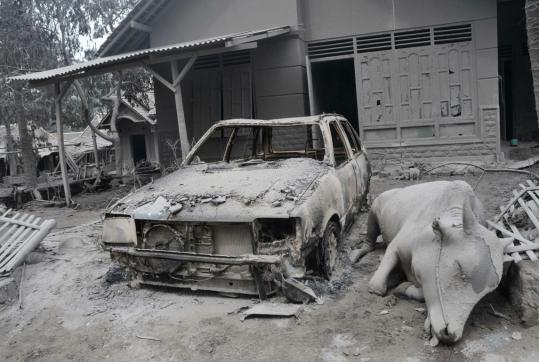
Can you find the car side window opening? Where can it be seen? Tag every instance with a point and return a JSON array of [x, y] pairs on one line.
[[352, 137], [339, 149]]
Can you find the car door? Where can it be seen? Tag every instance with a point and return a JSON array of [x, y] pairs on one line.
[[360, 159], [345, 169]]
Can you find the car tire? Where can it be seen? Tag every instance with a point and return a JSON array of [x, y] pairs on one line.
[[329, 248]]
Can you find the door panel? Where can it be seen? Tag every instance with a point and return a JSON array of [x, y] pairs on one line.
[[237, 102]]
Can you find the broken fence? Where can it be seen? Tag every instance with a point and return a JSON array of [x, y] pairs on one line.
[[20, 234], [518, 219]]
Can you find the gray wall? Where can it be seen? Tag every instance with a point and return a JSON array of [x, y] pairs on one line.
[[330, 19], [185, 20], [280, 78]]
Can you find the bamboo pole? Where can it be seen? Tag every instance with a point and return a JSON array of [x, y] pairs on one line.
[[61, 150], [180, 114]]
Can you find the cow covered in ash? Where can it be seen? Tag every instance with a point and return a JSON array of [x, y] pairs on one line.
[[435, 232]]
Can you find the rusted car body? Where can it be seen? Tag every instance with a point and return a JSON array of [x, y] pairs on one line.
[[255, 200]]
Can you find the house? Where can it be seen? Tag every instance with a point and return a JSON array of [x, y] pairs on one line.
[[424, 80], [136, 124], [79, 150]]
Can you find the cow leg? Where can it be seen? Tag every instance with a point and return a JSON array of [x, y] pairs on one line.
[[409, 290], [378, 282], [373, 230]]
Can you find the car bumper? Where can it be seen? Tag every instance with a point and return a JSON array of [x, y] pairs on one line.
[[156, 267]]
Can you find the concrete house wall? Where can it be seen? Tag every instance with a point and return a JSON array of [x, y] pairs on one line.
[[398, 132], [278, 70], [275, 71]]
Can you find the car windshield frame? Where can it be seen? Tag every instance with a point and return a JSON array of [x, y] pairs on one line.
[[232, 129]]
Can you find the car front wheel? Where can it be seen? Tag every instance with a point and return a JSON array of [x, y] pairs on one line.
[[328, 250]]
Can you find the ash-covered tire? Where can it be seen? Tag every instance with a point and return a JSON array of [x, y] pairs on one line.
[[329, 249]]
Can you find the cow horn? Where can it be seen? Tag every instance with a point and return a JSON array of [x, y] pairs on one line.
[[468, 218]]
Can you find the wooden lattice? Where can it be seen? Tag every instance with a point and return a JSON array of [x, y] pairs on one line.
[[519, 221]]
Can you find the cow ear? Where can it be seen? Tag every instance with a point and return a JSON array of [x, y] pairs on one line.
[[468, 218]]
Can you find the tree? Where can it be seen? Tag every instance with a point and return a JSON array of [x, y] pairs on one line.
[[23, 47], [45, 34], [532, 28]]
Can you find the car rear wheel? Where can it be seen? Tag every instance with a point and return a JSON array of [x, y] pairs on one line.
[[328, 251]]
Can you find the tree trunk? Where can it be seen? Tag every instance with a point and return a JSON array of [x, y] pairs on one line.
[[532, 27], [28, 159], [11, 156], [116, 99]]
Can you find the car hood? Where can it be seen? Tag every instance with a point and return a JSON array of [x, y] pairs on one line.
[[225, 192]]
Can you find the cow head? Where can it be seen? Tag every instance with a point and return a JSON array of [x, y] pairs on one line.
[[464, 264]]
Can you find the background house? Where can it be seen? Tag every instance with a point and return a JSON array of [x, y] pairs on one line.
[[136, 124], [418, 79]]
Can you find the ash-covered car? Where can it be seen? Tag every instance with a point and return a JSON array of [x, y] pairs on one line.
[[254, 201]]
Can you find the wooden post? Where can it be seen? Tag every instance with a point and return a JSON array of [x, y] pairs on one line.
[[61, 150], [312, 101], [180, 114]]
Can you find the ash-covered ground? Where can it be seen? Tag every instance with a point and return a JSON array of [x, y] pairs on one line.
[[70, 310]]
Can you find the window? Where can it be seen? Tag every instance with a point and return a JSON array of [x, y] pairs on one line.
[[352, 137], [339, 148], [255, 144]]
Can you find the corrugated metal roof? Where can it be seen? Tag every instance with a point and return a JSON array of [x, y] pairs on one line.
[[104, 62]]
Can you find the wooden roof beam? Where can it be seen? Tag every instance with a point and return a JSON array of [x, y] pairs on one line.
[[140, 26]]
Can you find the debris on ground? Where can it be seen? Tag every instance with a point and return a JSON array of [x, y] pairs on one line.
[[8, 290], [20, 234], [519, 220], [116, 273], [524, 163], [268, 309], [297, 292]]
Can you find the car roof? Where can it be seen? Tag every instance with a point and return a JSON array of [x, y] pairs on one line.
[[292, 121]]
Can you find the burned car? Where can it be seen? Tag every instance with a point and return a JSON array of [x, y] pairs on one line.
[[253, 202]]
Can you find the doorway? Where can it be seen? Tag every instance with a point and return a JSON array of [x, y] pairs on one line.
[[334, 88], [517, 102], [138, 148]]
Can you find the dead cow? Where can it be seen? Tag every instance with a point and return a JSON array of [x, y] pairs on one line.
[[436, 232]]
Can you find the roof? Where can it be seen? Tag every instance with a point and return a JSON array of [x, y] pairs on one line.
[[134, 110], [104, 64], [46, 143], [292, 121], [43, 141], [127, 37]]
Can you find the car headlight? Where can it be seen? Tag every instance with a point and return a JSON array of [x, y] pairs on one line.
[[119, 231], [271, 230]]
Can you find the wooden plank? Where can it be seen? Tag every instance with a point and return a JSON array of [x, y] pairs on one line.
[[515, 256], [180, 114], [184, 72], [9, 244], [511, 234], [6, 234], [534, 194], [513, 200], [159, 78], [18, 222], [530, 253], [61, 150], [530, 214], [521, 248]]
